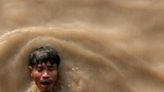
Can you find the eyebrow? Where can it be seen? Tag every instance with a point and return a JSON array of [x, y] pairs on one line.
[[49, 65]]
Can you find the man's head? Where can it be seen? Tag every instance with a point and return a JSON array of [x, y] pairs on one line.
[[43, 65]]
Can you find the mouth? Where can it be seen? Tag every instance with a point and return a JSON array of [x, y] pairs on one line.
[[45, 83]]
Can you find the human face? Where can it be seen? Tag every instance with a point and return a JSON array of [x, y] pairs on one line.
[[45, 76]]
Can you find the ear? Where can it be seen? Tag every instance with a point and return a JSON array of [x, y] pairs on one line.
[[30, 70]]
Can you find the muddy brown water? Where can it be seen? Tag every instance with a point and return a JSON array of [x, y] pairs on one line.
[[105, 45]]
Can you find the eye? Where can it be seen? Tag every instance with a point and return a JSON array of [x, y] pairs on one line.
[[52, 68], [39, 69]]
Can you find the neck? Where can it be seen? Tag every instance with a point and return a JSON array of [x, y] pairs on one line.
[[47, 91]]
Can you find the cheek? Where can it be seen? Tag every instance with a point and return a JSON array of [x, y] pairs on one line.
[[35, 75], [54, 75]]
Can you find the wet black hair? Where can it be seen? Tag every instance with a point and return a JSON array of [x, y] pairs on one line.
[[43, 54]]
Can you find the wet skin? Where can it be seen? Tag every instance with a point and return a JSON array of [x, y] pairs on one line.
[[45, 76]]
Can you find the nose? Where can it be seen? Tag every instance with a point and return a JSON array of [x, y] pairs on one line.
[[45, 75]]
